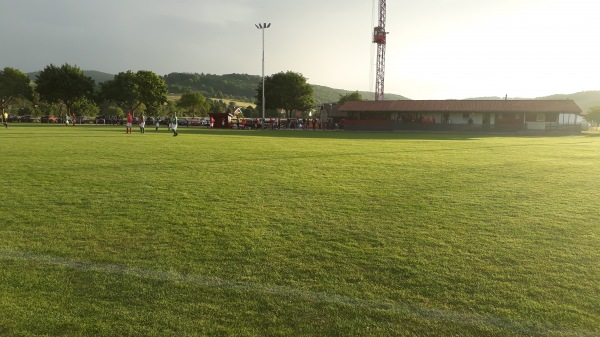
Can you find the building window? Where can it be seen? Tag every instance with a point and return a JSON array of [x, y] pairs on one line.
[[540, 118]]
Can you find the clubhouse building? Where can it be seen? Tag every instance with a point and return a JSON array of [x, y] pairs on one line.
[[551, 116]]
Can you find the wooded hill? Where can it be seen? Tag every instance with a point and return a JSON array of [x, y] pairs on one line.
[[236, 87], [584, 99], [97, 76], [242, 88]]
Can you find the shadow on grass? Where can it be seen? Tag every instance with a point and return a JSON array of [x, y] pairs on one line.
[[321, 134], [375, 135], [308, 134]]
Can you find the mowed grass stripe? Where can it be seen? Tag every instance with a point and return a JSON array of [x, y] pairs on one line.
[[494, 227], [293, 294]]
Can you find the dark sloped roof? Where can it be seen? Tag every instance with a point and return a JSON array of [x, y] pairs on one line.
[[540, 106]]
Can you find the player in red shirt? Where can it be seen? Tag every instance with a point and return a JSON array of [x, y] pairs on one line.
[[129, 122]]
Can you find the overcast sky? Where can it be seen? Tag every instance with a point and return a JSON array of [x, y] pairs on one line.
[[436, 49]]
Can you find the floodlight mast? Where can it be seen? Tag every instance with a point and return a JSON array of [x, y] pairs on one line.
[[379, 37], [263, 26]]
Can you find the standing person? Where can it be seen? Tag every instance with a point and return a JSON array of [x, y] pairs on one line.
[[212, 122], [5, 119], [142, 123], [174, 124], [129, 123], [156, 123]]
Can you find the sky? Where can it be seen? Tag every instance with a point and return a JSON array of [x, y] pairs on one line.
[[436, 49]]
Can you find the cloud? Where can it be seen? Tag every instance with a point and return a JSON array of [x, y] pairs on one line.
[[436, 49]]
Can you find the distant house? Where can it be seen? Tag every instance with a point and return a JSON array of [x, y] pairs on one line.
[[237, 111], [462, 115]]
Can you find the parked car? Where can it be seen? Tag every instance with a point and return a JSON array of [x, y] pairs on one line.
[[195, 121], [182, 121], [28, 119], [13, 118], [114, 120], [48, 119], [585, 126], [100, 120], [81, 120]]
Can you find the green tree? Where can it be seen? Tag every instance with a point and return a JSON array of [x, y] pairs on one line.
[[349, 97], [123, 90], [167, 108], [288, 91], [13, 85], [85, 107], [108, 108], [231, 106], [193, 102], [153, 90], [23, 107], [593, 115], [65, 84], [52, 109], [217, 106], [131, 91], [250, 112]]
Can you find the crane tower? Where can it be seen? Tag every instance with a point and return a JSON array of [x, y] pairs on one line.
[[379, 35]]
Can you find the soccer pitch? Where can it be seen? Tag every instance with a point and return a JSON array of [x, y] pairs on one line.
[[296, 233]]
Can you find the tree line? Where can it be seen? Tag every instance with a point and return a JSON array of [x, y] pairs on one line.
[[593, 116], [66, 90]]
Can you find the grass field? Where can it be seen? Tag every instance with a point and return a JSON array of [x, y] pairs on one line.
[[259, 233]]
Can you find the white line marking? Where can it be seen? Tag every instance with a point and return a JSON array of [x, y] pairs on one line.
[[517, 327]]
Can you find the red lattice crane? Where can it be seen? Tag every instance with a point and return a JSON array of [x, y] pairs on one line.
[[379, 37]]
